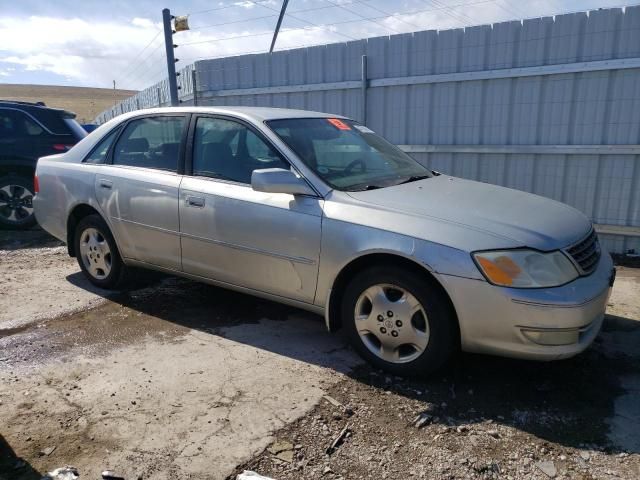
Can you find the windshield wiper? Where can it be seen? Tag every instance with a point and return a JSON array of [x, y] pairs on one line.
[[414, 178], [362, 188]]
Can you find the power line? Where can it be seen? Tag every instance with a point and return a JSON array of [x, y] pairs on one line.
[[394, 15], [370, 20], [303, 10], [301, 19], [450, 12], [141, 63], [141, 52], [244, 20], [141, 76], [224, 7]]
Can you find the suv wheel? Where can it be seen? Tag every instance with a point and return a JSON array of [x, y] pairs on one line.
[[398, 321], [16, 203], [97, 253]]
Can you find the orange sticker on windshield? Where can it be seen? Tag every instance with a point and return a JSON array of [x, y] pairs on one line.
[[339, 124]]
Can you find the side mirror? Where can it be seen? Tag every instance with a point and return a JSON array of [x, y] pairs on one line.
[[279, 180]]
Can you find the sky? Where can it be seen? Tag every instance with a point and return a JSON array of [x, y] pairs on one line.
[[94, 42]]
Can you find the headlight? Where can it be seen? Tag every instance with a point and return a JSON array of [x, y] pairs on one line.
[[525, 268]]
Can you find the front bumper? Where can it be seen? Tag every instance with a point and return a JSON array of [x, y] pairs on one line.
[[536, 324]]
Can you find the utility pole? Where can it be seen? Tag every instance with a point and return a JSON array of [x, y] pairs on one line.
[[275, 33], [171, 60]]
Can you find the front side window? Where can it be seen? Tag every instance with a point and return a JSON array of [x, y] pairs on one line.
[[150, 142], [229, 150], [346, 155], [99, 153]]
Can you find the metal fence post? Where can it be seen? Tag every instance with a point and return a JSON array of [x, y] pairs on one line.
[[194, 87], [159, 101], [363, 113], [171, 61], [137, 103]]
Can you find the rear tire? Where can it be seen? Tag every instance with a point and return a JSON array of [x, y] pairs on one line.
[[97, 253], [16, 203], [399, 321]]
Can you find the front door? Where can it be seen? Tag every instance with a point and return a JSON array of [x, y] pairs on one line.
[[231, 233], [139, 189]]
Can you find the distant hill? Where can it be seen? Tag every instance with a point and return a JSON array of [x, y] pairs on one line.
[[85, 102]]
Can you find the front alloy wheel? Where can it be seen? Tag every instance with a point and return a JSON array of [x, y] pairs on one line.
[[399, 319], [392, 323]]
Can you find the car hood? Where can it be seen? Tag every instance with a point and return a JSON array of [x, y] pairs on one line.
[[520, 219]]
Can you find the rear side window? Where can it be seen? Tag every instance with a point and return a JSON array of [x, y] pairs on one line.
[[99, 153], [17, 124], [151, 142]]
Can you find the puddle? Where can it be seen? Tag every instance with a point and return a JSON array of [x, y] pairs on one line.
[[625, 424]]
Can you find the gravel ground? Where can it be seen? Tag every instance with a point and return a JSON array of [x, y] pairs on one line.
[[182, 380], [484, 417]]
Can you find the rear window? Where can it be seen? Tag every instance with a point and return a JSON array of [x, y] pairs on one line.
[[75, 128]]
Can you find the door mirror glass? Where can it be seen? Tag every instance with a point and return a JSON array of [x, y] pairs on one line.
[[279, 180]]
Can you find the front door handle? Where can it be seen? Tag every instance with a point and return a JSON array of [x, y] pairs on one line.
[[106, 183], [195, 201]]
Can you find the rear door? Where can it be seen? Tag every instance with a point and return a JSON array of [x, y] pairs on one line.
[[263, 241], [138, 189], [19, 136]]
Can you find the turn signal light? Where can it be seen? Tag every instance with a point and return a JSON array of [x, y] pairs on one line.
[[501, 270]]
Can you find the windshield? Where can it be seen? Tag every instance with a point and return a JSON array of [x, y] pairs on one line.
[[346, 155]]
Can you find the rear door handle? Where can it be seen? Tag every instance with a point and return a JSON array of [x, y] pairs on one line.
[[106, 183], [195, 201]]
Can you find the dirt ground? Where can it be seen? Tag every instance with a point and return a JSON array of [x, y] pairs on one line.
[[182, 380]]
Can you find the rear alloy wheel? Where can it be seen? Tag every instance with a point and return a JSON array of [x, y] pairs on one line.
[[97, 253], [16, 203], [399, 321]]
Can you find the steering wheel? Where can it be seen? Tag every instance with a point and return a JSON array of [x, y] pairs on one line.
[[357, 162]]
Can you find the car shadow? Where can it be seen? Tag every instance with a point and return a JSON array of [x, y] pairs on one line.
[[21, 239], [13, 467], [570, 402]]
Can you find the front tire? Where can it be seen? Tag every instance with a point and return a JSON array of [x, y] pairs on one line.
[[16, 203], [97, 253], [399, 321]]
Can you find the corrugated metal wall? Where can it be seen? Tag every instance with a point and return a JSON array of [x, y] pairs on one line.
[[548, 105]]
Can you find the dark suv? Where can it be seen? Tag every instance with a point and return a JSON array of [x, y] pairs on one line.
[[29, 131]]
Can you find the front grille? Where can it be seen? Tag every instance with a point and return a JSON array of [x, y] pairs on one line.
[[586, 253]]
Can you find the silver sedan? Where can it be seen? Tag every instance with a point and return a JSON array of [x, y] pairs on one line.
[[319, 212]]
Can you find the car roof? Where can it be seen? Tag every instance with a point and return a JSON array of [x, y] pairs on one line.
[[255, 113], [33, 107]]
